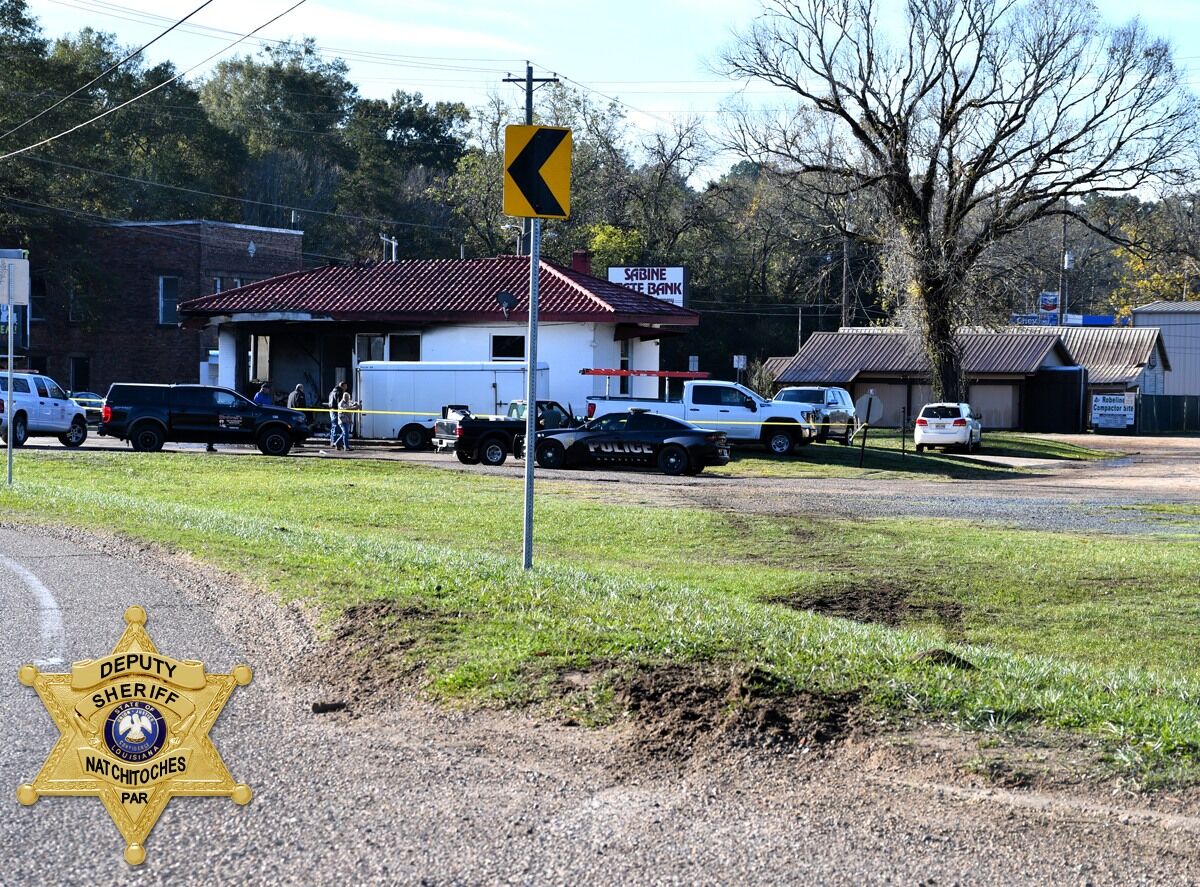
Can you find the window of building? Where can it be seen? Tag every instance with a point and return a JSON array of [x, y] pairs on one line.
[[81, 374], [369, 346], [508, 347], [168, 300], [37, 299], [75, 312], [216, 285], [404, 346], [626, 364]]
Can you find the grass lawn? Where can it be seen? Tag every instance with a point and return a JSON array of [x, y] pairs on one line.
[[1089, 634], [885, 455]]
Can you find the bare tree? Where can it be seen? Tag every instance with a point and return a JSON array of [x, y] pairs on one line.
[[984, 116]]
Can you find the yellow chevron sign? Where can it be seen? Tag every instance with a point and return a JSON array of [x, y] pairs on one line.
[[537, 172]]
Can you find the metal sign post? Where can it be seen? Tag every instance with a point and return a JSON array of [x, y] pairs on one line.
[[14, 264], [537, 185], [535, 250], [9, 319]]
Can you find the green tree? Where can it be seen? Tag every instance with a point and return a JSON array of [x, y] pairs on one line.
[[399, 150]]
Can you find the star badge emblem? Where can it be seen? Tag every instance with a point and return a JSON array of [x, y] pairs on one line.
[[134, 731]]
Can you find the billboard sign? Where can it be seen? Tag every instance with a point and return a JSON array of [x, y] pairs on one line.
[[1113, 410], [1048, 309], [668, 284]]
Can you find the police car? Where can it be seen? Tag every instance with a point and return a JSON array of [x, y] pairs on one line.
[[634, 438]]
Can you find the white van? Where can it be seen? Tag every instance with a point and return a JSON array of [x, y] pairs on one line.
[[410, 394], [40, 409]]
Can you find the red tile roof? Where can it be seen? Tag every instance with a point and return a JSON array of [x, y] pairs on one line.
[[441, 290]]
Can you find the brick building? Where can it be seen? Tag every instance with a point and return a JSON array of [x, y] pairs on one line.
[[128, 329]]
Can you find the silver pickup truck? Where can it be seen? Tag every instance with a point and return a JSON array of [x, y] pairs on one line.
[[744, 416]]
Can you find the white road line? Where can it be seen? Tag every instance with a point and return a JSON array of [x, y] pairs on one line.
[[50, 620]]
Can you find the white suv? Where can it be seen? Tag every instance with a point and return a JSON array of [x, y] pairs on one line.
[[948, 425], [40, 409]]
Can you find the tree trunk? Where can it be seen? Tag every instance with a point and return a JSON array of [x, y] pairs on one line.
[[940, 340]]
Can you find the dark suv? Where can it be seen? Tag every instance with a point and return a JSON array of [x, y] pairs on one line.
[[149, 415]]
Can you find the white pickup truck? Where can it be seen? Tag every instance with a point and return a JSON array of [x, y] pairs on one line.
[[744, 416]]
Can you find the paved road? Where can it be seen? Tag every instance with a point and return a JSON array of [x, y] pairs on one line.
[[417, 795]]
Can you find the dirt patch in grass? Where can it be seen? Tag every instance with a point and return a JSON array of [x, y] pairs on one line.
[[369, 659], [879, 602], [679, 712]]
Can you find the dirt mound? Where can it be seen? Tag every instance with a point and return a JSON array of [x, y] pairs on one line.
[[681, 711], [369, 657], [879, 602]]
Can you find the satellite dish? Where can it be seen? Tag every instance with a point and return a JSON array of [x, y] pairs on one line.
[[507, 302]]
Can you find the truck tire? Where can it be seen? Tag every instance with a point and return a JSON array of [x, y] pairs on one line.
[[847, 434], [493, 450], [779, 441], [551, 455], [147, 437], [466, 458], [413, 437], [274, 440], [673, 460], [19, 430], [76, 435]]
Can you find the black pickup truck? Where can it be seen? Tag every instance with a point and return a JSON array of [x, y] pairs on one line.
[[149, 415], [479, 439]]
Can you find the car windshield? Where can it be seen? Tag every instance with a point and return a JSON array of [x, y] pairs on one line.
[[802, 395], [943, 411]]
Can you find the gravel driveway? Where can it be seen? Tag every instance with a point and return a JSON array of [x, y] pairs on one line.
[[1086, 497]]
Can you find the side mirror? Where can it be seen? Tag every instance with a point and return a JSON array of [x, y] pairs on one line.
[[752, 405]]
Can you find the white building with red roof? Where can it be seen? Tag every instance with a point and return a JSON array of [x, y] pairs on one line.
[[314, 327]]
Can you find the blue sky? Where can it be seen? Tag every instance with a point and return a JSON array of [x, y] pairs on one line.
[[654, 55]]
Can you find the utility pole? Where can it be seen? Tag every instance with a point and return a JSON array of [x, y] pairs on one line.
[[1062, 271], [527, 82], [392, 242], [846, 320]]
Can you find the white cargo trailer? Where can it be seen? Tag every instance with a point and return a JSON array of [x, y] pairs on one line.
[[412, 394]]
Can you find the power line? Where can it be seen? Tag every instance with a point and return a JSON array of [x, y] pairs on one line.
[[246, 200], [151, 229], [106, 71], [387, 59], [142, 95]]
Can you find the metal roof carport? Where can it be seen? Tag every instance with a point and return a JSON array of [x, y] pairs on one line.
[[999, 367]]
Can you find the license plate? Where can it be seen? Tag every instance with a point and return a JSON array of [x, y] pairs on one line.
[[723, 452], [939, 425]]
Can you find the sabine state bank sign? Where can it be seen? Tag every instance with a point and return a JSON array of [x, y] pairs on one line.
[[668, 284]]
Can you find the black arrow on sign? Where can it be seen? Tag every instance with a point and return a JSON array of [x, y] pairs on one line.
[[526, 171]]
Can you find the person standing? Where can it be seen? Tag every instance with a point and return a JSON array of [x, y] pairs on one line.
[[346, 408], [332, 402], [297, 399], [263, 398]]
